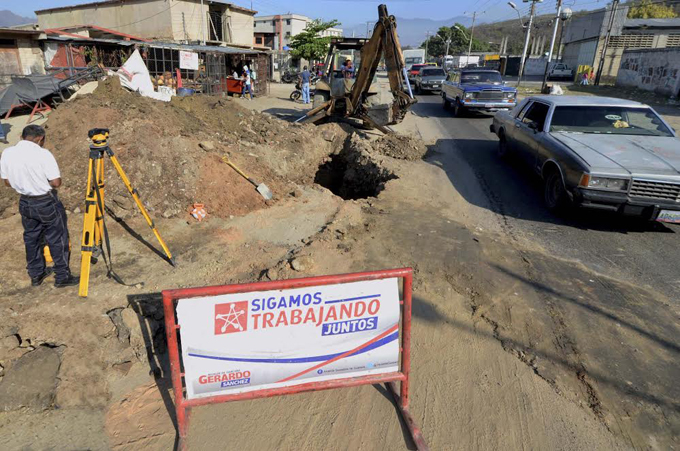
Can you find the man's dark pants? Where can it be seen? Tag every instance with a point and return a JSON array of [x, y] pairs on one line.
[[44, 221]]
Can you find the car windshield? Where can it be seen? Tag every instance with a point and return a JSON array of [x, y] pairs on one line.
[[432, 72], [614, 120], [481, 77]]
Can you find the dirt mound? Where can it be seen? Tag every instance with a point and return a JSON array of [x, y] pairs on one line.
[[157, 145], [401, 147]]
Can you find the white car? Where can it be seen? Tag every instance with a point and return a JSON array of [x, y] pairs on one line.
[[560, 70]]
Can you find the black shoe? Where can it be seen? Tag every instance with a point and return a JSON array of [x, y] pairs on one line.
[[37, 281], [68, 282]]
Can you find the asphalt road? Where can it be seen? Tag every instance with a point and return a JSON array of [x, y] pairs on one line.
[[635, 251]]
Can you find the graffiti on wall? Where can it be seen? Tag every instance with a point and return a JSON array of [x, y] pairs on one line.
[[653, 72]]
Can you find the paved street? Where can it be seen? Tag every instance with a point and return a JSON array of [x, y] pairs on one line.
[[639, 252]]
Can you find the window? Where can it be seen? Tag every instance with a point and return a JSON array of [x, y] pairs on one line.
[[274, 22], [536, 115], [287, 21], [11, 43], [673, 40], [287, 34], [613, 120]]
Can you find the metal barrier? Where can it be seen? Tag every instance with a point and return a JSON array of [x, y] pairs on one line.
[[183, 405]]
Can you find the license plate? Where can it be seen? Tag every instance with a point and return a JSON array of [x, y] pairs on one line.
[[435, 86], [669, 216], [488, 105]]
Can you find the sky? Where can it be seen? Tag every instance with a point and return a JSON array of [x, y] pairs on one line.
[[353, 12]]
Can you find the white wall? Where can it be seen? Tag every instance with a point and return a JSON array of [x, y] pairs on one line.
[[655, 70]]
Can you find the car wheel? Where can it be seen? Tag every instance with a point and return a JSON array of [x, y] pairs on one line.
[[555, 194], [445, 102], [458, 109], [503, 147]]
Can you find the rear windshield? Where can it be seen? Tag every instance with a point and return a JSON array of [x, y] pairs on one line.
[[433, 72], [413, 60], [612, 120], [481, 77]]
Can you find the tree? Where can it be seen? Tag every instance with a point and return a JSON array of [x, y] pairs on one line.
[[436, 46], [646, 9], [309, 44]]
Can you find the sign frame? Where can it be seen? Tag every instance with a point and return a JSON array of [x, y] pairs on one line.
[[173, 334]]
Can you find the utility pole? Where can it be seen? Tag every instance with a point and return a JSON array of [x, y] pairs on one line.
[[202, 22], [448, 43], [427, 41], [600, 66], [552, 44], [526, 42], [472, 30]]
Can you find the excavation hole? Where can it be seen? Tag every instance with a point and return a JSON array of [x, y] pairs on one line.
[[348, 176]]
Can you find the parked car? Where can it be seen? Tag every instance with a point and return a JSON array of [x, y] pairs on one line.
[[430, 79], [415, 69], [597, 152], [477, 90], [560, 70]]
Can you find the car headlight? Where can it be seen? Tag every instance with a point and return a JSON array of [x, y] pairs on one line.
[[509, 95], [470, 95], [606, 183]]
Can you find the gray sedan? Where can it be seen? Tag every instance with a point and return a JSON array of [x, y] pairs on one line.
[[597, 152], [430, 79]]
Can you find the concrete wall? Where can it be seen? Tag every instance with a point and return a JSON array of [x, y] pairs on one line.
[[241, 28], [31, 56], [655, 70], [186, 15], [123, 17], [580, 53]]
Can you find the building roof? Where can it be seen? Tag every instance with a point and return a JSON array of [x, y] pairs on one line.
[[113, 2], [5, 30], [284, 16], [93, 31], [652, 23], [203, 48]]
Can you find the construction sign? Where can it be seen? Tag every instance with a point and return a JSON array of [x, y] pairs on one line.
[[235, 343]]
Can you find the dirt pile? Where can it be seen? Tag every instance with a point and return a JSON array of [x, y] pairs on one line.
[[157, 145], [401, 147]]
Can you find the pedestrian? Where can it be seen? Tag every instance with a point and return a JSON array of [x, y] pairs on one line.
[[304, 78], [32, 171], [246, 83], [348, 69], [584, 79]]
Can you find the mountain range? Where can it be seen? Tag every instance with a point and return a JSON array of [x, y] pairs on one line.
[[9, 19], [412, 32]]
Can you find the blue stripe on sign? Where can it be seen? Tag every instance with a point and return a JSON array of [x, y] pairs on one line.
[[319, 358], [353, 299]]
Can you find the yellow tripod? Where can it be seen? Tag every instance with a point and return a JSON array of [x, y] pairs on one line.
[[94, 228]]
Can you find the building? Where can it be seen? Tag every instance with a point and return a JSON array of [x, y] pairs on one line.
[[275, 32], [20, 54], [215, 22], [584, 38], [655, 70]]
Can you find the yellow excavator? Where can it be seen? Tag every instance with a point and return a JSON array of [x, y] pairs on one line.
[[339, 96]]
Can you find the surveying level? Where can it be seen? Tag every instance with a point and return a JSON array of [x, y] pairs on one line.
[[94, 227]]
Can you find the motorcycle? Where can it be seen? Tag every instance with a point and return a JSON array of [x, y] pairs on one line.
[[297, 93], [289, 77]]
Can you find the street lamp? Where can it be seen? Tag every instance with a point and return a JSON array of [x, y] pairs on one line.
[[526, 39], [564, 16], [519, 16]]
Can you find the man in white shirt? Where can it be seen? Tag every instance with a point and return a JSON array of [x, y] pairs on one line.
[[33, 173]]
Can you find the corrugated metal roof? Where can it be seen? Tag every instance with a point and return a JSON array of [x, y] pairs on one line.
[[86, 40], [652, 23], [203, 48]]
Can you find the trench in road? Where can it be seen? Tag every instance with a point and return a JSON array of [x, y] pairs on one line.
[[640, 252]]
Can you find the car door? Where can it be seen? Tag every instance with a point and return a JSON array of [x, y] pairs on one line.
[[529, 126]]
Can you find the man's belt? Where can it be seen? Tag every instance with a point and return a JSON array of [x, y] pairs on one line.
[[49, 195]]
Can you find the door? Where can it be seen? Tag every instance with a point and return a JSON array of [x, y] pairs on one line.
[[528, 128]]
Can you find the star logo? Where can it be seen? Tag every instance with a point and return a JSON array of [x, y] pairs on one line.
[[231, 317]]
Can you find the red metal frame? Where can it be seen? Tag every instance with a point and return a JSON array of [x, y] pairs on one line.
[[183, 406]]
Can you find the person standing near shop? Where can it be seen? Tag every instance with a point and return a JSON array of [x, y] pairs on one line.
[[32, 171], [304, 77], [247, 83]]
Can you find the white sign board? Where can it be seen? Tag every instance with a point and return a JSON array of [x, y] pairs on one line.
[[188, 60], [236, 343]]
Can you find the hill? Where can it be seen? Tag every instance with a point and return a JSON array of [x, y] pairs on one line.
[[412, 31], [9, 19]]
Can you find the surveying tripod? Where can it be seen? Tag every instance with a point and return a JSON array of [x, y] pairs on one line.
[[94, 227]]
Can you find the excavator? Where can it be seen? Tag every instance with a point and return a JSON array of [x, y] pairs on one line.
[[338, 97]]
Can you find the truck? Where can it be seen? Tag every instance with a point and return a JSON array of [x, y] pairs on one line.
[[462, 61], [560, 70], [478, 90], [413, 56]]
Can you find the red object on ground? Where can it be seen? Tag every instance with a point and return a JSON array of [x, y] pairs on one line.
[[183, 405], [234, 85]]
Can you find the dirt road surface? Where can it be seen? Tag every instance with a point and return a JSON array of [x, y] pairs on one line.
[[529, 332]]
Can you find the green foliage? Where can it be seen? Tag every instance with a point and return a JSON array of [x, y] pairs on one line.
[[645, 9], [309, 44], [436, 46]]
